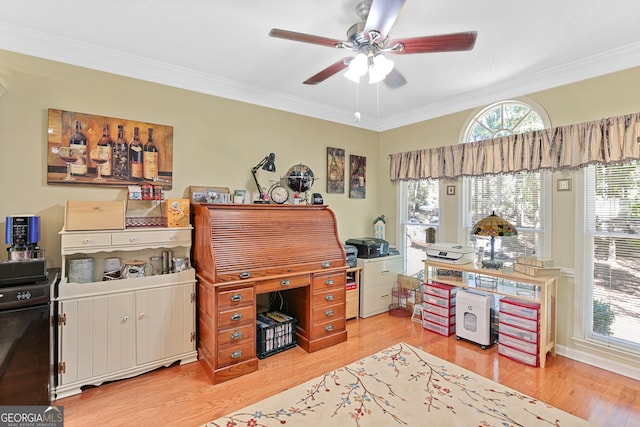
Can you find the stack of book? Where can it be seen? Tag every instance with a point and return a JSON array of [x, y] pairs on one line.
[[276, 332], [536, 267]]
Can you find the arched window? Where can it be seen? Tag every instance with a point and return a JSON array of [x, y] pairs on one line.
[[518, 197]]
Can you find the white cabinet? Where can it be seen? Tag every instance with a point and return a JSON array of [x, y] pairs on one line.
[[109, 330], [378, 277]]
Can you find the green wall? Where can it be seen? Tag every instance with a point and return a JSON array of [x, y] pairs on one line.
[[612, 95], [216, 142]]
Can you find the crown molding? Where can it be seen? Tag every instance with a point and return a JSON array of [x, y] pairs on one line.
[[585, 68], [42, 45]]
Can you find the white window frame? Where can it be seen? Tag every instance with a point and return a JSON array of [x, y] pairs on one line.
[[464, 228], [583, 293], [464, 225]]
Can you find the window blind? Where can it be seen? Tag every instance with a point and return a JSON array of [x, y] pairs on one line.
[[612, 213], [515, 197]]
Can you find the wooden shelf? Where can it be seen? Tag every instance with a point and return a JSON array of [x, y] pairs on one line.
[[527, 288]]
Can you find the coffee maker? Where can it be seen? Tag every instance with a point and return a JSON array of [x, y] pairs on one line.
[[26, 262], [22, 236]]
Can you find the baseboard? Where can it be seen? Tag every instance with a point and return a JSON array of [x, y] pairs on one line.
[[599, 362]]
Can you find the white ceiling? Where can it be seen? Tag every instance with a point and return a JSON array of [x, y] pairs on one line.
[[222, 48]]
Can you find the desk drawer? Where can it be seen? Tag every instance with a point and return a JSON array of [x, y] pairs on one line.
[[236, 336], [329, 281], [283, 283], [234, 354], [235, 298], [236, 316], [321, 329], [323, 314], [322, 299]]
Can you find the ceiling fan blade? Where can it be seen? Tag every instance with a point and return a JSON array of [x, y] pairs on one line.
[[382, 16], [329, 71], [395, 79], [305, 38], [441, 43]]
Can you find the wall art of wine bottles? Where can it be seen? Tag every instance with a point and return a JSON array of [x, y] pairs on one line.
[[86, 149]]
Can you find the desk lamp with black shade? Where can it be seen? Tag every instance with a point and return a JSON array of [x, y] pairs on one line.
[[268, 164], [493, 226]]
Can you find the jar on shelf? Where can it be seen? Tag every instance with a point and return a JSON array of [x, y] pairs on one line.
[[147, 192]]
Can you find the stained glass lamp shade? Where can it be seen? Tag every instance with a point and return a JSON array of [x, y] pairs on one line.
[[493, 226]]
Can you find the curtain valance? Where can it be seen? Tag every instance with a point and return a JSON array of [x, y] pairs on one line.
[[608, 141]]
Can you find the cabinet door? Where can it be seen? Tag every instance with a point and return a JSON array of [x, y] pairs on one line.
[[97, 336], [165, 322]]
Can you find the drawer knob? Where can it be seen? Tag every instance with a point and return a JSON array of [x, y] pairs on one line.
[[328, 313], [329, 297], [236, 316], [285, 282], [142, 315], [236, 297], [328, 328], [329, 282], [172, 237], [125, 319], [86, 241], [326, 264], [236, 354], [236, 335], [245, 275], [132, 239]]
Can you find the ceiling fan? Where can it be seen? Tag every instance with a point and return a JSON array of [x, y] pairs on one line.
[[369, 40]]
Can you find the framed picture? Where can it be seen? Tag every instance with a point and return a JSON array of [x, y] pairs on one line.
[[200, 194], [85, 149], [335, 170], [239, 196], [357, 177], [564, 185], [451, 190]]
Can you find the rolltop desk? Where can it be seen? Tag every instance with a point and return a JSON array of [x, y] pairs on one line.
[[241, 251]]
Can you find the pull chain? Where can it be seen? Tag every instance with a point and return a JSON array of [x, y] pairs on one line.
[[378, 106], [357, 113]]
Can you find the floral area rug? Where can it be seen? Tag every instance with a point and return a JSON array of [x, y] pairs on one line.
[[400, 386]]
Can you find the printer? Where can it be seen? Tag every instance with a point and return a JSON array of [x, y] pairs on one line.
[[351, 253], [370, 247], [452, 253]]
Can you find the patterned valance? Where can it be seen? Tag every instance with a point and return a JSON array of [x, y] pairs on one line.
[[607, 141]]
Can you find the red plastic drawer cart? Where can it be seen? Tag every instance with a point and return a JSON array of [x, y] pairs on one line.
[[439, 308]]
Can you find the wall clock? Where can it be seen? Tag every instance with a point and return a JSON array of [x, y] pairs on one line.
[[278, 194]]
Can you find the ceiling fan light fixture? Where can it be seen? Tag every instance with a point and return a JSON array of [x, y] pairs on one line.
[[359, 64], [380, 68], [357, 68], [351, 75]]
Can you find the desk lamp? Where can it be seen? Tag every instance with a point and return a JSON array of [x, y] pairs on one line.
[[493, 226], [268, 164]]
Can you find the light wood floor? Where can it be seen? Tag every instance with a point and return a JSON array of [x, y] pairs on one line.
[[183, 395]]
